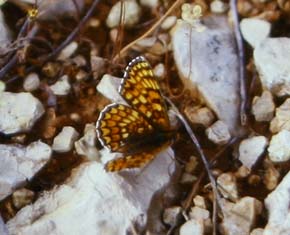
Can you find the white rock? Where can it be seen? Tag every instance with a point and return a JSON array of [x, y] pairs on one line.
[[272, 60], [106, 203], [257, 231], [132, 14], [98, 66], [108, 87], [3, 228], [168, 23], [202, 116], [277, 204], [150, 3], [199, 201], [192, 227], [279, 148], [172, 215], [79, 60], [241, 217], [263, 107], [19, 164], [271, 175], [68, 51], [255, 30], [86, 145], [31, 82], [61, 87], [251, 149], [218, 6], [198, 213], [18, 112], [187, 178], [64, 141], [204, 61], [159, 70], [218, 133], [22, 197], [281, 121], [227, 185]]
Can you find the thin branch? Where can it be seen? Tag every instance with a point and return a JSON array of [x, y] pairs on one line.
[[170, 10], [74, 33], [242, 78]]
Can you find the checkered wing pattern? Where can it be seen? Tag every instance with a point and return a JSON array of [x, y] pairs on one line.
[[141, 90]]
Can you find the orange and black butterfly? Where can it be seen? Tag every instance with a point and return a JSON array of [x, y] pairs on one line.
[[140, 129]]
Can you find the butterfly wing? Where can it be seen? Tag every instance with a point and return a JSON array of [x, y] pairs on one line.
[[130, 161], [121, 128], [141, 90]]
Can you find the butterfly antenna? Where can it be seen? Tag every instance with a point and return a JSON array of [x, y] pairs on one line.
[[200, 152]]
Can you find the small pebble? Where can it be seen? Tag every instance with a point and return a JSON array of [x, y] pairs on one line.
[[75, 117], [132, 14], [51, 69], [168, 23], [271, 176], [200, 116], [81, 75], [64, 141], [279, 147], [68, 51], [150, 3], [31, 82], [263, 107], [218, 7], [80, 61], [61, 87], [172, 215], [2, 86], [227, 185], [94, 22], [242, 172], [22, 197], [159, 70], [218, 133], [191, 164], [192, 227], [199, 201], [254, 180], [187, 178]]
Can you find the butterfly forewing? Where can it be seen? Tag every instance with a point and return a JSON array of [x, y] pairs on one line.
[[141, 90], [119, 126]]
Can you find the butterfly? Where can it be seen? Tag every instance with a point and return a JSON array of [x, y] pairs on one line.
[[140, 129]]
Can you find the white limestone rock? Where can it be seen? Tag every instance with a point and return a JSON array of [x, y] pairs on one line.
[[263, 107], [86, 145], [198, 213], [218, 133], [68, 51], [255, 30], [150, 3], [272, 60], [277, 204], [64, 141], [192, 226], [108, 87], [227, 185], [61, 87], [18, 112], [279, 148], [281, 121], [19, 164], [204, 61], [105, 203], [201, 116], [171, 215], [97, 65], [31, 82], [251, 149], [199, 201], [132, 14], [240, 217]]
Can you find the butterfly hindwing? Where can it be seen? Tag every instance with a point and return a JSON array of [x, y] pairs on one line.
[[141, 90], [119, 126], [130, 161]]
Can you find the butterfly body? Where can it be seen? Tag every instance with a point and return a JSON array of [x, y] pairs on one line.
[[140, 129]]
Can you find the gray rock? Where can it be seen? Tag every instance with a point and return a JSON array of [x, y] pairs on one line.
[[19, 164], [272, 59], [204, 61], [108, 202], [18, 112], [277, 204]]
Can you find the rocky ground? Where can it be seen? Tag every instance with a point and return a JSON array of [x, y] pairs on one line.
[[224, 65]]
